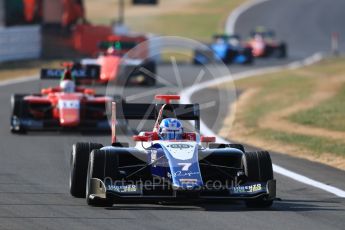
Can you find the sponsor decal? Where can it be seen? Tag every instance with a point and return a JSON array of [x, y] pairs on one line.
[[247, 188], [124, 188], [180, 151], [58, 73], [32, 123], [69, 104], [179, 146], [54, 73], [188, 181], [79, 73], [182, 174], [131, 188]]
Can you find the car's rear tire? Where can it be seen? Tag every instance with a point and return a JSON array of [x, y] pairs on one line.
[[230, 56], [237, 146], [222, 146], [282, 50], [97, 168], [150, 79], [79, 163], [248, 52], [258, 168]]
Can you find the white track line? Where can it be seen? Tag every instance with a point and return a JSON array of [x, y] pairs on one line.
[[306, 180], [232, 19], [188, 92]]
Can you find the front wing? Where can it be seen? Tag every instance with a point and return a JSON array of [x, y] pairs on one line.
[[253, 190], [29, 124]]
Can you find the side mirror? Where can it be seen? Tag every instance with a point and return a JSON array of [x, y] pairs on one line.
[[141, 138], [208, 139]]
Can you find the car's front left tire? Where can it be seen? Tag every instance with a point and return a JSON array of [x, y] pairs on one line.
[[79, 163], [258, 167], [96, 169]]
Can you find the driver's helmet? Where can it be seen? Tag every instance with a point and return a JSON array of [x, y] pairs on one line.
[[234, 42], [67, 86], [111, 51], [258, 37], [171, 129]]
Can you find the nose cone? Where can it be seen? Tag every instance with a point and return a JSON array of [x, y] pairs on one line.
[[69, 112], [110, 67], [258, 48], [184, 167]]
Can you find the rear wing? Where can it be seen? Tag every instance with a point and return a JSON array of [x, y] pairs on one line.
[[136, 111], [91, 72], [226, 36]]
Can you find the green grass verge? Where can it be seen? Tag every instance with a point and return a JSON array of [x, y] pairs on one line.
[[328, 115], [197, 20], [281, 90], [278, 91], [316, 145]]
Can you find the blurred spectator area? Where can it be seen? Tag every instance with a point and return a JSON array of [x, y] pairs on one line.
[[23, 12], [49, 29], [42, 27]]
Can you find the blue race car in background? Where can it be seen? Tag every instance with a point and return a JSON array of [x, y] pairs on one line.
[[192, 167], [226, 48]]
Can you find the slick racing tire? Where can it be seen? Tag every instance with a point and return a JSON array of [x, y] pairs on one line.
[[279, 51], [222, 146], [97, 168], [150, 79], [282, 50], [237, 146], [258, 167], [79, 163], [248, 52], [19, 110], [230, 56]]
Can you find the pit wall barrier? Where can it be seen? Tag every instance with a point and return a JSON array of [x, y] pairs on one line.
[[20, 42]]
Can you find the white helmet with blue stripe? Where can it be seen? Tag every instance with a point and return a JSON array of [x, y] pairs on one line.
[[67, 86], [171, 129]]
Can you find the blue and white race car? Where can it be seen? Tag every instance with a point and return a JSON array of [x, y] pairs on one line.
[[226, 48], [169, 163]]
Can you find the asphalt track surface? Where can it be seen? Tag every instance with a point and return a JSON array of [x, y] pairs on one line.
[[34, 168]]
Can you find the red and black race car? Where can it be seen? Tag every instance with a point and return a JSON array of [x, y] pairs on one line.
[[121, 60], [64, 107], [264, 44]]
